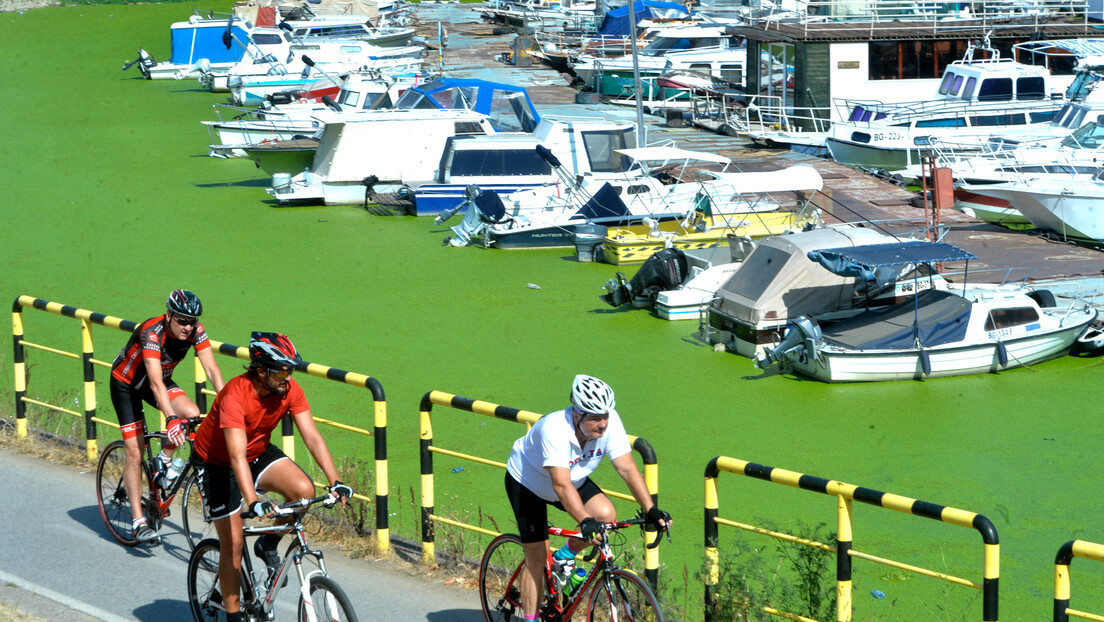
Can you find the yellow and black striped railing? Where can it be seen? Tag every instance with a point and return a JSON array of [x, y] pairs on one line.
[[505, 413], [846, 494], [1069, 550], [89, 362]]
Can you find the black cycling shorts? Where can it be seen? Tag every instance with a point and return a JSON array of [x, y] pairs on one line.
[[128, 401], [220, 487], [531, 511]]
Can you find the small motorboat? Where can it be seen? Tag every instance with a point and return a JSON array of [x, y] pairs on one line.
[[937, 332]]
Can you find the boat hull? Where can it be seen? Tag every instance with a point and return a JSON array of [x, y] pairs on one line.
[[879, 365], [432, 199], [1072, 216], [635, 244], [989, 209]]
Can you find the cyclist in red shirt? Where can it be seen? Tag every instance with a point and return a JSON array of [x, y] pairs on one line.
[[142, 372], [236, 456]]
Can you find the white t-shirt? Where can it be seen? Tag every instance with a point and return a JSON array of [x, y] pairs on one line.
[[551, 442]]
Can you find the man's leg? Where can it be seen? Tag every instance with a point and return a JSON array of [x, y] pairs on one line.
[[230, 537], [532, 580], [132, 469]]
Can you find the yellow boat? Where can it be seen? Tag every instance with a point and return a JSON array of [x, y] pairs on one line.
[[634, 243]]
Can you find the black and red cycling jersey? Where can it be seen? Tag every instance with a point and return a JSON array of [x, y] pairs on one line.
[[150, 341]]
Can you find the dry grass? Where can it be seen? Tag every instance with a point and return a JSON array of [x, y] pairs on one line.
[[61, 451], [11, 613]]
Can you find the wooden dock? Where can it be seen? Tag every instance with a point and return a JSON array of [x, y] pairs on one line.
[[851, 195]]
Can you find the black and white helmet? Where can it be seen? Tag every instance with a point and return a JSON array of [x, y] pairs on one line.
[[184, 302], [591, 396]]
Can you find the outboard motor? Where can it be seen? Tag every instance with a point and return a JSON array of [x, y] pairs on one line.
[[144, 61], [665, 270], [799, 341]]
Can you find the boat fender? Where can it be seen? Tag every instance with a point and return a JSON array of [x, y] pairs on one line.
[[1044, 297], [925, 362], [1002, 353]]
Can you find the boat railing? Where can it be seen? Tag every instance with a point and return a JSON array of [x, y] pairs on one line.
[[871, 112], [1002, 277], [768, 113], [1014, 161], [724, 109], [652, 97], [938, 16], [230, 112]]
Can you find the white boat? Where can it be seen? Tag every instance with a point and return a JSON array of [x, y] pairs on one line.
[[202, 36], [650, 188], [705, 49], [543, 15], [349, 161], [508, 162], [937, 333], [977, 97], [777, 283], [1071, 208], [239, 129], [679, 284], [282, 65]]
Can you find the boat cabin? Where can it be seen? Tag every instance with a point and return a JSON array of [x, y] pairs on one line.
[[201, 37], [994, 79], [510, 162], [892, 60]]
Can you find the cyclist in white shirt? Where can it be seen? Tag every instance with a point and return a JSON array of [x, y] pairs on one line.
[[551, 465]]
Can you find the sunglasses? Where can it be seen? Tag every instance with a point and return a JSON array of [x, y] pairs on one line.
[[184, 321], [282, 374]]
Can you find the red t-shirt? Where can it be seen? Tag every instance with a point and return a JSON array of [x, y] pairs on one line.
[[238, 406]]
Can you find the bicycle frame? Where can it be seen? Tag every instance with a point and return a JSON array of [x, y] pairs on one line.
[[553, 609], [273, 583], [161, 502]]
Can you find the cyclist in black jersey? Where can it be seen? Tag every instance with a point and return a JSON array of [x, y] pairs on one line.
[[142, 373]]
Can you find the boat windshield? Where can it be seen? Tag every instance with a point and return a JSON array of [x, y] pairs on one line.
[[601, 149], [662, 45], [510, 112], [1088, 136]]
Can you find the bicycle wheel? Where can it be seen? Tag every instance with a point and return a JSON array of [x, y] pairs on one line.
[[197, 523], [626, 598], [111, 494], [203, 581], [499, 579], [327, 602]]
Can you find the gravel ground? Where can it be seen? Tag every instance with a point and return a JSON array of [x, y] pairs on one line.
[[8, 6]]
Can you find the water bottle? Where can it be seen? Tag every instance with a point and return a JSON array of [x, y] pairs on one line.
[[576, 580], [176, 467]]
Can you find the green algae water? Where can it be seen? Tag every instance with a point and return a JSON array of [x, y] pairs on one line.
[[110, 202]]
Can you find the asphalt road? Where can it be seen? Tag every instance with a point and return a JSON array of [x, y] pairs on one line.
[[58, 562]]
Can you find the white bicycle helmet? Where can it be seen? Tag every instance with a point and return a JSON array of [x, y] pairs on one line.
[[591, 396]]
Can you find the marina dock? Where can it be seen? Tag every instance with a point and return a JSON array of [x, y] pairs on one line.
[[477, 49]]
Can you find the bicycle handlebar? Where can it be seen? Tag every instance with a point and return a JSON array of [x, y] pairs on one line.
[[613, 526], [327, 500]]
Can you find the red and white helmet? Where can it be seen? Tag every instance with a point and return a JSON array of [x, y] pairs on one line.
[[272, 350]]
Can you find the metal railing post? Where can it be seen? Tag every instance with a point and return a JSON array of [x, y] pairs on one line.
[[20, 368], [425, 429], [89, 390], [200, 385]]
